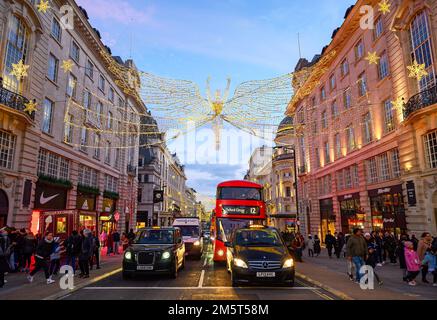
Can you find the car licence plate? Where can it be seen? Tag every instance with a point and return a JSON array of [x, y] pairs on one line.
[[265, 274], [145, 268]]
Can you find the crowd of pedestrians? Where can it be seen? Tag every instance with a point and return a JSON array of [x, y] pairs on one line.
[[415, 256], [23, 252]]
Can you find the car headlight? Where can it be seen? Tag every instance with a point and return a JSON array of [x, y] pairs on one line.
[[128, 255], [289, 263], [197, 243], [240, 263], [166, 255]]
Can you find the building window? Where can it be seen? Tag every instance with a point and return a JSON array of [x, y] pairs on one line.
[[332, 82], [71, 86], [379, 168], [318, 162], [108, 153], [334, 109], [288, 192], [53, 68], [56, 30], [430, 142], [102, 82], [111, 95], [359, 50], [110, 121], [68, 129], [362, 85], [422, 48], [347, 98], [111, 183], [83, 138], [52, 165], [389, 116], [140, 195], [88, 176], [338, 153], [367, 128], [350, 134], [117, 158], [324, 120], [75, 52], [323, 93], [372, 171], [7, 149], [96, 145], [46, 125], [379, 28], [327, 153], [384, 167], [16, 51], [99, 113], [383, 67], [396, 165], [340, 180], [344, 68], [89, 70]]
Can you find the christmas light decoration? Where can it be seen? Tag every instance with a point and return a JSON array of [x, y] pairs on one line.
[[30, 107], [19, 70], [67, 65], [384, 7], [43, 6], [417, 70], [372, 57]]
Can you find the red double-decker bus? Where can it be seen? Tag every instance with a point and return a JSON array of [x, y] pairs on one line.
[[238, 205]]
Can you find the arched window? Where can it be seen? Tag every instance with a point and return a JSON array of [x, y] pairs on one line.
[[16, 50], [422, 48]]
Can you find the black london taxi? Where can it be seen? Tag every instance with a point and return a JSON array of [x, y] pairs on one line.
[[155, 251], [258, 255]]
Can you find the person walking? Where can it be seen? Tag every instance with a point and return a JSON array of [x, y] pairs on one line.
[[357, 251], [109, 244], [413, 263], [73, 246], [29, 247], [310, 246], [55, 257], [85, 253], [43, 252], [4, 265], [329, 242], [96, 253], [400, 252], [296, 244], [124, 241], [372, 258], [116, 240], [350, 265], [379, 239], [390, 246], [317, 246], [430, 261], [422, 247], [339, 244]]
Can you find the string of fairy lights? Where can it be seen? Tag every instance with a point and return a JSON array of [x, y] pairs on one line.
[[256, 106]]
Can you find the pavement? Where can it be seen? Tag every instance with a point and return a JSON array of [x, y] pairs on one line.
[[318, 278], [331, 274]]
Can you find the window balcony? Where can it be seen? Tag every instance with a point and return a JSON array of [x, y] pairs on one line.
[[14, 101], [420, 101], [132, 170]]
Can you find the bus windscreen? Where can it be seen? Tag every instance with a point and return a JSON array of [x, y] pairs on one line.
[[239, 193]]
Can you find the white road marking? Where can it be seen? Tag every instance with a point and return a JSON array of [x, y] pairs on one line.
[[202, 276], [198, 288]]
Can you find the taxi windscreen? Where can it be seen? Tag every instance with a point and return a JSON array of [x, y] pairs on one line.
[[257, 238], [154, 237]]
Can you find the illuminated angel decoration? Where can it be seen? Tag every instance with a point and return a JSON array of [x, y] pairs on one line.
[[256, 107]]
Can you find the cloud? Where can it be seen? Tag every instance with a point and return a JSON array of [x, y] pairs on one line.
[[118, 11], [199, 175]]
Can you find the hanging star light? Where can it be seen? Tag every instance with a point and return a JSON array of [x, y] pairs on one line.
[[43, 6], [67, 65], [398, 104], [30, 107], [417, 71], [372, 57], [384, 7], [19, 70]]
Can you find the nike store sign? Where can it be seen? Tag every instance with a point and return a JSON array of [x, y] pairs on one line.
[[49, 197]]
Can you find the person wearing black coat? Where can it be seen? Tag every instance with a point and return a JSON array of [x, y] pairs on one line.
[[390, 245], [317, 247], [73, 246], [4, 265], [339, 244], [330, 243], [29, 246], [86, 252], [43, 252], [96, 252]]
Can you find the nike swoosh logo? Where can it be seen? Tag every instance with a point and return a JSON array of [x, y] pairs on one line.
[[44, 200]]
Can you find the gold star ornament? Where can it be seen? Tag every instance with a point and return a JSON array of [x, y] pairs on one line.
[[417, 71], [67, 65], [384, 7], [19, 70], [30, 107], [372, 57], [398, 104], [43, 6]]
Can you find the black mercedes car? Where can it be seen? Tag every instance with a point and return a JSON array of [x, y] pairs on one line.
[[258, 255], [155, 250]]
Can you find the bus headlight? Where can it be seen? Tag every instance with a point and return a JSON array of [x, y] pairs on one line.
[[166, 255], [128, 255], [197, 243], [289, 263], [240, 263]]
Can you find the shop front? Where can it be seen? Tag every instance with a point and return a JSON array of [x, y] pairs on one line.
[[352, 216], [142, 219], [327, 217], [107, 221], [388, 210], [86, 206]]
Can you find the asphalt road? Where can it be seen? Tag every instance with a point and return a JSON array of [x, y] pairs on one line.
[[200, 280]]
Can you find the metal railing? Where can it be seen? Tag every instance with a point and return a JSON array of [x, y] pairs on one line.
[[14, 100], [421, 100]]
